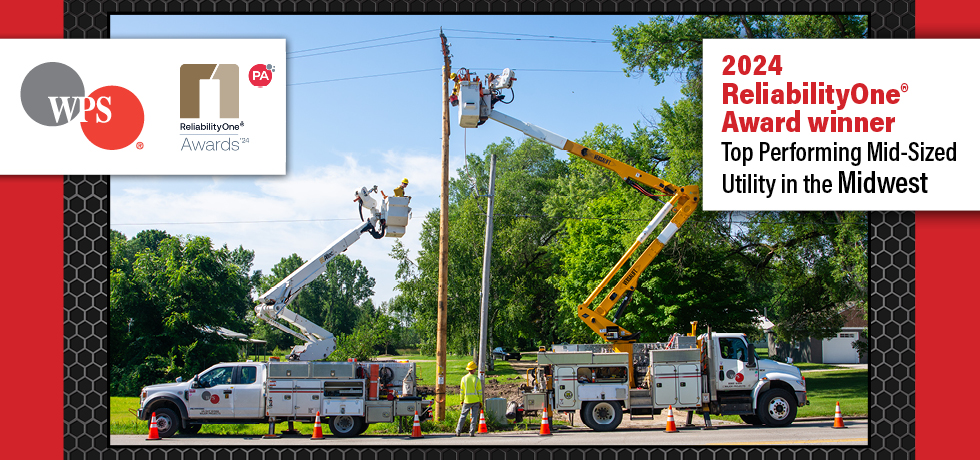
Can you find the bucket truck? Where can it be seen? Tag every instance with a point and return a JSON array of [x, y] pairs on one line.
[[349, 395], [712, 374]]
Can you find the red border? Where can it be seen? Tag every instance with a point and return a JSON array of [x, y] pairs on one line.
[[32, 248], [946, 279]]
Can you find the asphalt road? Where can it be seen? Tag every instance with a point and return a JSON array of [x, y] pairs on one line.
[[801, 433]]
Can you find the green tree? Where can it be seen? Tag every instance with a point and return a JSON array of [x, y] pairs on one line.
[[166, 309]]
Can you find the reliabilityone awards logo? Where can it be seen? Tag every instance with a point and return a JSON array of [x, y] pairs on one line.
[[144, 107]]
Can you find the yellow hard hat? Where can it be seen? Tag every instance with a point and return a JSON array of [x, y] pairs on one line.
[[471, 366], [405, 180]]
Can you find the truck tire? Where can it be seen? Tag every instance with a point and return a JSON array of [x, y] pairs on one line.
[[167, 422], [346, 426], [191, 429], [602, 415], [751, 419], [777, 407]]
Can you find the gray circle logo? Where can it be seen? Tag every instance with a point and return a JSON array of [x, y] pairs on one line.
[[52, 94]]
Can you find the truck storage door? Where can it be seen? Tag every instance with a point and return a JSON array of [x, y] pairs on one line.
[[688, 385], [279, 398], [565, 386], [249, 399], [306, 396], [664, 385], [215, 397]]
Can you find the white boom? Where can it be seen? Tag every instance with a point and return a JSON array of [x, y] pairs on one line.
[[391, 217]]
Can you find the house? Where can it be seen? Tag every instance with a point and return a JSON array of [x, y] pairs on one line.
[[834, 350]]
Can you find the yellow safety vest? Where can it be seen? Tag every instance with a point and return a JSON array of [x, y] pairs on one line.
[[400, 190], [470, 388]]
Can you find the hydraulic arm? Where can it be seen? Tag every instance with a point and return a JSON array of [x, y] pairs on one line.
[[476, 106], [273, 305]]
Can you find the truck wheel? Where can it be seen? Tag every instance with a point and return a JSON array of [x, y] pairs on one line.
[[602, 415], [345, 426], [777, 407], [751, 419], [167, 422], [190, 430]]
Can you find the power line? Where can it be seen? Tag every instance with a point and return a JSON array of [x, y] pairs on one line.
[[363, 76], [531, 39], [234, 222], [362, 41], [525, 35], [361, 48]]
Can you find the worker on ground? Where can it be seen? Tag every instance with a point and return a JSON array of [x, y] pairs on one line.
[[469, 391], [400, 190]]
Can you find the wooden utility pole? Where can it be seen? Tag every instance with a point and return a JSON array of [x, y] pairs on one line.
[[441, 315]]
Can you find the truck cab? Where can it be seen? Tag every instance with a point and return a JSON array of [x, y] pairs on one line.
[[761, 391]]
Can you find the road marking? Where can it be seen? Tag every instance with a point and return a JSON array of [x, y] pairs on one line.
[[812, 441]]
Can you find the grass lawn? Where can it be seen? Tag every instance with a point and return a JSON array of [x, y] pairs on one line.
[[825, 389]]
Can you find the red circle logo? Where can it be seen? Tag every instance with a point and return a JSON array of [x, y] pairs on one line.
[[739, 377], [260, 75], [215, 399], [116, 118]]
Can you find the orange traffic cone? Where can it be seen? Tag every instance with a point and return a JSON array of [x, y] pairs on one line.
[[483, 424], [838, 420], [545, 426], [671, 427], [317, 429], [416, 427], [154, 434]]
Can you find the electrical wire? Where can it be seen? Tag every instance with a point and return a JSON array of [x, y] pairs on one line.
[[362, 41], [524, 35], [361, 48], [363, 76]]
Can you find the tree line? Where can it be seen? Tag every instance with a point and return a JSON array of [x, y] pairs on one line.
[[169, 295]]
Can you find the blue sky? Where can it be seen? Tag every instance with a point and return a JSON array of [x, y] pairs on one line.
[[354, 128]]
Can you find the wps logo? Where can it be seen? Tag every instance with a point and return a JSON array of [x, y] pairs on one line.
[[190, 88], [53, 94]]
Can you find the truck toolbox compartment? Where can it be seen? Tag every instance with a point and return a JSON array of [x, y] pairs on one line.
[[578, 357], [610, 358], [673, 356], [534, 401], [334, 370], [403, 408], [289, 370], [379, 411]]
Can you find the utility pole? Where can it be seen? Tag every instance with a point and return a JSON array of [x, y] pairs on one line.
[[485, 294], [441, 314]]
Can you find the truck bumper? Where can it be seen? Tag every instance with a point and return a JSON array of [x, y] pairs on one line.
[[801, 397]]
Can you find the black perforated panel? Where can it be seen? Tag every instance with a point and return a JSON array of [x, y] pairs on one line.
[[892, 259]]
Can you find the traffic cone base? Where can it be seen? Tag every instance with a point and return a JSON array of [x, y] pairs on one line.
[[154, 433], [317, 428], [416, 427], [545, 426], [838, 419], [671, 426], [483, 424]]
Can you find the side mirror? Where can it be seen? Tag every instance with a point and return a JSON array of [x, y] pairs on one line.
[[195, 383]]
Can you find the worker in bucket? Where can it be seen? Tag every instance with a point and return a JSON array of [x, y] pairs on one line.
[[400, 190], [469, 391]]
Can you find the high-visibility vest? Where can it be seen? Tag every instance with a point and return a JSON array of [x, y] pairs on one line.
[[469, 387], [400, 190]]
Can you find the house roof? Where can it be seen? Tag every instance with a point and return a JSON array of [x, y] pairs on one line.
[[854, 316]]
